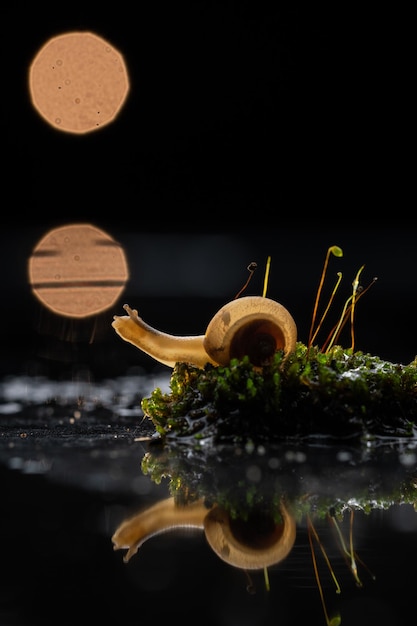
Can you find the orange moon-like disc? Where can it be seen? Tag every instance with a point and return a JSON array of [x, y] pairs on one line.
[[78, 82], [78, 270]]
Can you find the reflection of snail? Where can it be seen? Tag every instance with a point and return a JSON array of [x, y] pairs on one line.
[[255, 543], [251, 544], [252, 326]]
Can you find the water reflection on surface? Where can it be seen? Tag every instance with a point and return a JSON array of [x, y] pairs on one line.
[[250, 501], [84, 481]]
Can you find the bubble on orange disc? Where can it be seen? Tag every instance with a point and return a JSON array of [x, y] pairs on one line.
[[78, 270], [78, 82]]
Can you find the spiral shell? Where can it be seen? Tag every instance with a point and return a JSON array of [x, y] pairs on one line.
[[253, 543], [251, 326]]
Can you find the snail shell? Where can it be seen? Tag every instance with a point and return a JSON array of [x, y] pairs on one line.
[[254, 543], [252, 326]]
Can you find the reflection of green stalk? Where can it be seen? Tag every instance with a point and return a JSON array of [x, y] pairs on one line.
[[312, 530], [351, 554], [336, 620]]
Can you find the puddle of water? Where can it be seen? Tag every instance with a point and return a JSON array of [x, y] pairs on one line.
[[78, 461]]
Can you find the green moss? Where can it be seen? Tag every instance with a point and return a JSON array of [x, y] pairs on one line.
[[317, 483], [336, 394]]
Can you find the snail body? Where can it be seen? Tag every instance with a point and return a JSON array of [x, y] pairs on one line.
[[161, 517], [165, 348], [252, 326]]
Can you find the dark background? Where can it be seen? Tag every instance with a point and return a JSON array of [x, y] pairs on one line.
[[251, 129]]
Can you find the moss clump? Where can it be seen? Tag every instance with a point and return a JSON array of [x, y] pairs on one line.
[[338, 393]]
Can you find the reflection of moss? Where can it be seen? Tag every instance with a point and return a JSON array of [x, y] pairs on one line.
[[190, 479], [338, 393], [224, 477]]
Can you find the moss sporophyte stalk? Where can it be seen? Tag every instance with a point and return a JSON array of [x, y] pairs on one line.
[[248, 377]]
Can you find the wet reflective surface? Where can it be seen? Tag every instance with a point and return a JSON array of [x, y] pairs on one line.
[[78, 463]]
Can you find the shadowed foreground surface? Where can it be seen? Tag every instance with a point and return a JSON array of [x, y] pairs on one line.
[[71, 473]]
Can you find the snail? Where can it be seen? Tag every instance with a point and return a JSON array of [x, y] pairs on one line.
[[250, 544], [253, 326]]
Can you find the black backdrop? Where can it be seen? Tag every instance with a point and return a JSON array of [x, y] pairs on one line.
[[283, 130], [251, 129]]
